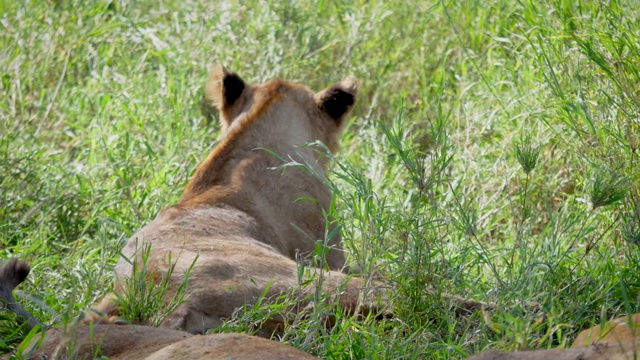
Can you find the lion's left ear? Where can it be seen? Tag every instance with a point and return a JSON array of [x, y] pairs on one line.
[[337, 100], [222, 90], [223, 87]]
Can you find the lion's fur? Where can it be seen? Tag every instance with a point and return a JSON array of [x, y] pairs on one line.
[[620, 339], [123, 342], [593, 352], [89, 341], [243, 217], [624, 329], [229, 346]]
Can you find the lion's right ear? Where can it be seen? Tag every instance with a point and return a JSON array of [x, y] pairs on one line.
[[222, 90], [337, 100]]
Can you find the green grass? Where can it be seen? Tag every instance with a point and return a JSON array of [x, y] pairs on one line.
[[492, 154]]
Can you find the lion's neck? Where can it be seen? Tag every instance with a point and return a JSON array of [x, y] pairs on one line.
[[286, 202]]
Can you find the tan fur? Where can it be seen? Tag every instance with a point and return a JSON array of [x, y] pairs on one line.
[[229, 346], [123, 342], [89, 341], [114, 341], [593, 352], [619, 340], [244, 219], [622, 330]]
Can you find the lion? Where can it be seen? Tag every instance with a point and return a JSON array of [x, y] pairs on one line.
[[244, 222], [593, 352], [624, 329], [615, 339], [241, 230]]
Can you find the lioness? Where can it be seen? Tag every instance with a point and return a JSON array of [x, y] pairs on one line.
[[243, 220], [624, 329], [610, 351], [615, 339]]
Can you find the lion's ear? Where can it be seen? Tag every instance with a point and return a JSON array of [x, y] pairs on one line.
[[337, 100], [222, 89]]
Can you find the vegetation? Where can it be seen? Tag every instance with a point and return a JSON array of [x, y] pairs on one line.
[[492, 154]]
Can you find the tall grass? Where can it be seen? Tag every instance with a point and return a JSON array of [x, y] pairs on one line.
[[492, 154]]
